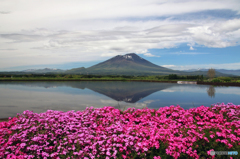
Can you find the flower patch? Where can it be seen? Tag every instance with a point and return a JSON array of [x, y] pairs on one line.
[[111, 133]]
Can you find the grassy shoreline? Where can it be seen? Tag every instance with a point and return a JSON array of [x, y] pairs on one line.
[[87, 79], [121, 79]]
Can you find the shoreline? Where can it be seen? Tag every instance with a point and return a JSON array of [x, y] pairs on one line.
[[218, 83], [198, 82]]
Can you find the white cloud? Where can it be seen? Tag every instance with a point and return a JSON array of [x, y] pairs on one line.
[[150, 55], [188, 53], [227, 26], [109, 54], [65, 31], [4, 12], [169, 66], [167, 90], [205, 66], [217, 34], [191, 47]]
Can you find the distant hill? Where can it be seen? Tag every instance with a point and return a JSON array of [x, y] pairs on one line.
[[224, 71], [81, 70], [45, 70], [232, 72]]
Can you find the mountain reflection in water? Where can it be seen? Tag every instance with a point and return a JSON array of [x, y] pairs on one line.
[[17, 97], [129, 92]]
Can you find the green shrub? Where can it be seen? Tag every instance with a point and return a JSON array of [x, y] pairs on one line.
[[226, 79], [216, 80]]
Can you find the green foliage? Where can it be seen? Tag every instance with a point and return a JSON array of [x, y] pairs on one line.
[[216, 80], [159, 152], [67, 76], [173, 76], [226, 79], [91, 77], [193, 77]]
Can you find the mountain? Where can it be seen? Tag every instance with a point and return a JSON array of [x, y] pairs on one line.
[[192, 70], [45, 70], [231, 72], [128, 64], [224, 71]]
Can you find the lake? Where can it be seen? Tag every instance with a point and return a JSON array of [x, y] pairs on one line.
[[38, 97]]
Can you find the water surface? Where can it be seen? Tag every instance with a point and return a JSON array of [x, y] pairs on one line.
[[38, 97]]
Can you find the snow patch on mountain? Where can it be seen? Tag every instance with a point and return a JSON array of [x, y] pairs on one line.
[[128, 57]]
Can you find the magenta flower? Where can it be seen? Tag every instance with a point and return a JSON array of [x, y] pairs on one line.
[[107, 131]]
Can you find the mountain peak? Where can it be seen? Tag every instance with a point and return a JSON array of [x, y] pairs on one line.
[[127, 64], [127, 57], [130, 56]]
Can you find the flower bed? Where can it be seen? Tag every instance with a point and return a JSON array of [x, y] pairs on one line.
[[169, 132]]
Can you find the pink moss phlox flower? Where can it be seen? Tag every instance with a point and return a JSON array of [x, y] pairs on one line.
[[108, 131]]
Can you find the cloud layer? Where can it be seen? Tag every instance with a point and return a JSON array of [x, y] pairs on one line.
[[227, 66], [44, 32]]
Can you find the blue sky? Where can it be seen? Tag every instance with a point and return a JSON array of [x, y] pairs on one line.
[[201, 57], [178, 34]]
